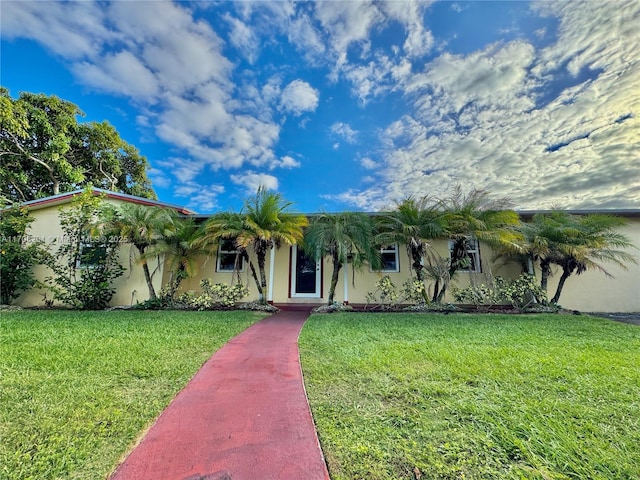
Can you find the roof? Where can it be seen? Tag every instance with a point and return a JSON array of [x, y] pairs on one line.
[[621, 212], [62, 198]]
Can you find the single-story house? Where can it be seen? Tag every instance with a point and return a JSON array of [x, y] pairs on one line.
[[294, 278]]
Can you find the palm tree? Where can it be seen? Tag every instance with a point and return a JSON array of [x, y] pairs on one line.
[[476, 215], [142, 226], [415, 222], [182, 249], [342, 237], [268, 224], [229, 226], [575, 243]]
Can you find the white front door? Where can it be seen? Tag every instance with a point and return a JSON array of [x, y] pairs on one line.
[[305, 274]]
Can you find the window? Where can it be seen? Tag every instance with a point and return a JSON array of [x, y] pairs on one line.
[[389, 258], [472, 248], [91, 255], [229, 258]]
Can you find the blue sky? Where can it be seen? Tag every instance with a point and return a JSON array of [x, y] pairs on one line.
[[349, 105]]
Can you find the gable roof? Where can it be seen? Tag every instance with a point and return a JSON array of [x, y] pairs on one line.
[[66, 197]]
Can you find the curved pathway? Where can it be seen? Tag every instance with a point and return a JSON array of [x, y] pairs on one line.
[[244, 416]]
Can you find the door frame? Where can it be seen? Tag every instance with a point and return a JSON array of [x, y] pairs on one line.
[[293, 272]]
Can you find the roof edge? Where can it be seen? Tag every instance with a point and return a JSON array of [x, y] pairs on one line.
[[68, 196]]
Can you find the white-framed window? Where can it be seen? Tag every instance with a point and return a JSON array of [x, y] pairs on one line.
[[472, 247], [389, 258], [91, 255], [229, 258]]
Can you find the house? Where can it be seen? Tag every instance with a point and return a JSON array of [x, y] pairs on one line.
[[294, 278]]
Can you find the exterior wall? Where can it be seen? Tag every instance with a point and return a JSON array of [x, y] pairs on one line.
[[593, 291], [131, 287]]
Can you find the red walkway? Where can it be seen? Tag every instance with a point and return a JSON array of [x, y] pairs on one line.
[[244, 416]]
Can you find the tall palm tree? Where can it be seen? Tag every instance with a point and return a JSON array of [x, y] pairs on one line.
[[183, 250], [415, 222], [342, 237], [576, 243], [268, 224], [141, 226], [475, 215], [229, 226]]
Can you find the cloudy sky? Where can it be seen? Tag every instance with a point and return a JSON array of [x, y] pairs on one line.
[[350, 104]]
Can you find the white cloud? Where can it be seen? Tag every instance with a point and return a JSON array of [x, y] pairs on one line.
[[202, 199], [285, 162], [369, 164], [252, 181], [344, 131], [121, 73], [299, 97], [243, 38]]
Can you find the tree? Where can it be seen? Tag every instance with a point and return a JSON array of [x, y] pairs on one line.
[[182, 248], [142, 226], [415, 222], [84, 266], [475, 215], [18, 253], [575, 243], [268, 224], [343, 237], [45, 151], [230, 226]]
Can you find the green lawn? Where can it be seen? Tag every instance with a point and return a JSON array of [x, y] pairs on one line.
[[78, 388], [399, 396]]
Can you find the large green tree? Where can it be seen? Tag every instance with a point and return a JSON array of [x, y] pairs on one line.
[[343, 237], [46, 151]]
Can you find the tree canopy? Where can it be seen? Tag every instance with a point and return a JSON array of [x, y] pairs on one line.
[[44, 151]]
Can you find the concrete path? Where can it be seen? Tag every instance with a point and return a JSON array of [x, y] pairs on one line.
[[244, 416]]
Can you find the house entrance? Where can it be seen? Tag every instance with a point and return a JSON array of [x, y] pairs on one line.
[[305, 274]]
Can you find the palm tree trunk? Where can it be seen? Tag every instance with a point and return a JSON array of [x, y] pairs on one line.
[[334, 278], [147, 273], [176, 281], [263, 277], [254, 274], [566, 273], [545, 268]]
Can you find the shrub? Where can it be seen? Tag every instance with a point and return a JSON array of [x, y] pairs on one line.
[[387, 296], [214, 296], [18, 254], [84, 266], [521, 293]]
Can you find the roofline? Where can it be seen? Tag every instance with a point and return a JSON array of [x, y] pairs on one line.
[[66, 196], [622, 212]]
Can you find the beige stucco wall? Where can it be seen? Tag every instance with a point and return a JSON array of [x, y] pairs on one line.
[[131, 287], [593, 291]]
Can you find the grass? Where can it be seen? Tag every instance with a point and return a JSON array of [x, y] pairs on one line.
[[78, 388], [474, 397]]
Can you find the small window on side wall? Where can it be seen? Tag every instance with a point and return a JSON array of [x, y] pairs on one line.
[[91, 255], [389, 258], [472, 248], [229, 258]]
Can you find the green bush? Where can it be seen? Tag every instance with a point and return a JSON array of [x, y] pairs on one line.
[[214, 296], [521, 293]]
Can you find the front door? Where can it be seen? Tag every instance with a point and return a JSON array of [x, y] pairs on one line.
[[305, 274]]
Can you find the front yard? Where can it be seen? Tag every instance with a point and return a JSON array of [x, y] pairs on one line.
[[468, 396], [78, 388]]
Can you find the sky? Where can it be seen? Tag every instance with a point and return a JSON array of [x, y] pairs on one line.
[[350, 105]]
